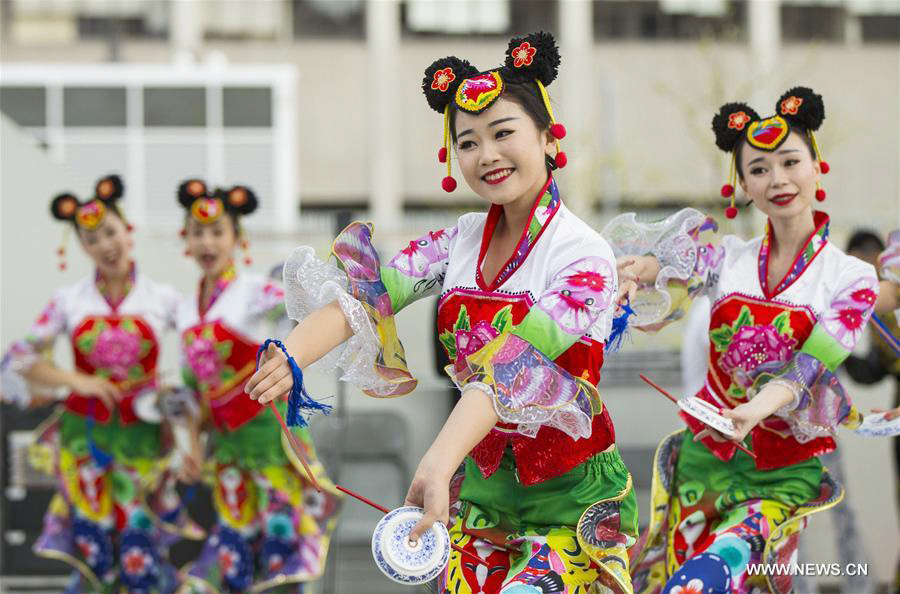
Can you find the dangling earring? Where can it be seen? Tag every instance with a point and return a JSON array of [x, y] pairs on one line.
[[245, 246], [61, 250], [448, 183], [728, 189], [824, 167], [557, 130]]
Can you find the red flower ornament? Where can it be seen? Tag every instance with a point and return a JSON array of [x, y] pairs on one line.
[[442, 79], [523, 55]]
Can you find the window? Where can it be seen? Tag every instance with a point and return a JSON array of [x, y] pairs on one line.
[[94, 106], [247, 106], [26, 106], [174, 106]]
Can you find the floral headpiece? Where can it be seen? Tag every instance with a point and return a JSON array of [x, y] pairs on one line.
[[798, 109], [207, 207], [455, 81], [89, 214]]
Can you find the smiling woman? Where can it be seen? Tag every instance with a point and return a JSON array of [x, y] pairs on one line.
[[525, 470]]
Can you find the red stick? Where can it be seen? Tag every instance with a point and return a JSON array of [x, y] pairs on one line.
[[298, 450], [737, 444]]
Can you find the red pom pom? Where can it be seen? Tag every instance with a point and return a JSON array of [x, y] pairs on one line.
[[61, 251], [727, 190], [731, 212], [130, 227], [561, 159], [183, 233], [820, 195], [248, 261], [448, 183], [442, 154], [824, 166], [558, 131], [62, 265]]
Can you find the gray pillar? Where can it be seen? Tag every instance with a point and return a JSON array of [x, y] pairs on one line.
[[578, 92], [383, 121]]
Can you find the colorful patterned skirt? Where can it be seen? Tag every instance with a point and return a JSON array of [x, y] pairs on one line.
[[114, 524], [273, 527], [714, 523], [566, 535]]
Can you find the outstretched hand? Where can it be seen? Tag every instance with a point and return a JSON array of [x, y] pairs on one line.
[[431, 492]]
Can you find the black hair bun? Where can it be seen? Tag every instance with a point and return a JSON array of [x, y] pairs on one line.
[[730, 124], [533, 56], [190, 190], [109, 188], [239, 200], [64, 206], [442, 79], [802, 107]]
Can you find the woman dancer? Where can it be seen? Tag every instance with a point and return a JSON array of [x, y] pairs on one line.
[[108, 460], [527, 299], [788, 307], [273, 527]]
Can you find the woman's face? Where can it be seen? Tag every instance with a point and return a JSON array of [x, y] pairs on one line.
[[501, 152], [212, 245], [782, 184], [109, 246]]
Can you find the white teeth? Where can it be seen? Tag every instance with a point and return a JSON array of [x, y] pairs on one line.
[[497, 175]]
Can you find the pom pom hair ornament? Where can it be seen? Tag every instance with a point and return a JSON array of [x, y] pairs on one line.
[[207, 207], [453, 83], [798, 109], [88, 214]]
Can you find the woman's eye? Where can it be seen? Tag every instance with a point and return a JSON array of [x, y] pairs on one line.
[[757, 170], [791, 162], [502, 133], [466, 144]]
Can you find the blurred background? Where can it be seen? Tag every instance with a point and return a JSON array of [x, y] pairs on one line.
[[316, 105]]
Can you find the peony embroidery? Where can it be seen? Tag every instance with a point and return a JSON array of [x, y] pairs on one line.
[[578, 294], [204, 361], [850, 312], [116, 351], [752, 346], [471, 341]]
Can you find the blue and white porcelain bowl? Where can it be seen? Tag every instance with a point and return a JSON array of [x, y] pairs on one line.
[[403, 561]]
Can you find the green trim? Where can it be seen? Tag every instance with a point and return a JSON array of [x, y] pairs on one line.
[[136, 441], [826, 349], [400, 287], [542, 332]]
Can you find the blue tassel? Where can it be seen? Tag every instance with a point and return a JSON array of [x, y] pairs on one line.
[[101, 458], [299, 400], [619, 326]]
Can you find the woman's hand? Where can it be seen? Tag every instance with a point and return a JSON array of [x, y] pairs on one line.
[[92, 385], [430, 489], [889, 414], [273, 379], [751, 413], [634, 271]]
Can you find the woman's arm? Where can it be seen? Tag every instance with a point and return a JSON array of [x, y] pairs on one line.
[[472, 418], [47, 374], [309, 341]]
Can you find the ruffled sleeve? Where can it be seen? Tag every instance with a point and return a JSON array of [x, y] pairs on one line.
[[517, 370], [369, 294], [820, 402], [24, 353], [688, 266], [889, 259]]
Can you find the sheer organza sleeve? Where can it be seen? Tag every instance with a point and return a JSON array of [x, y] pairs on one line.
[[25, 352], [688, 265], [820, 402], [369, 294], [517, 369]]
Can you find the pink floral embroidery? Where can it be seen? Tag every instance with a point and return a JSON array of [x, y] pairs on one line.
[[752, 346], [578, 294], [116, 350], [204, 361], [417, 258], [847, 317], [471, 341]]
